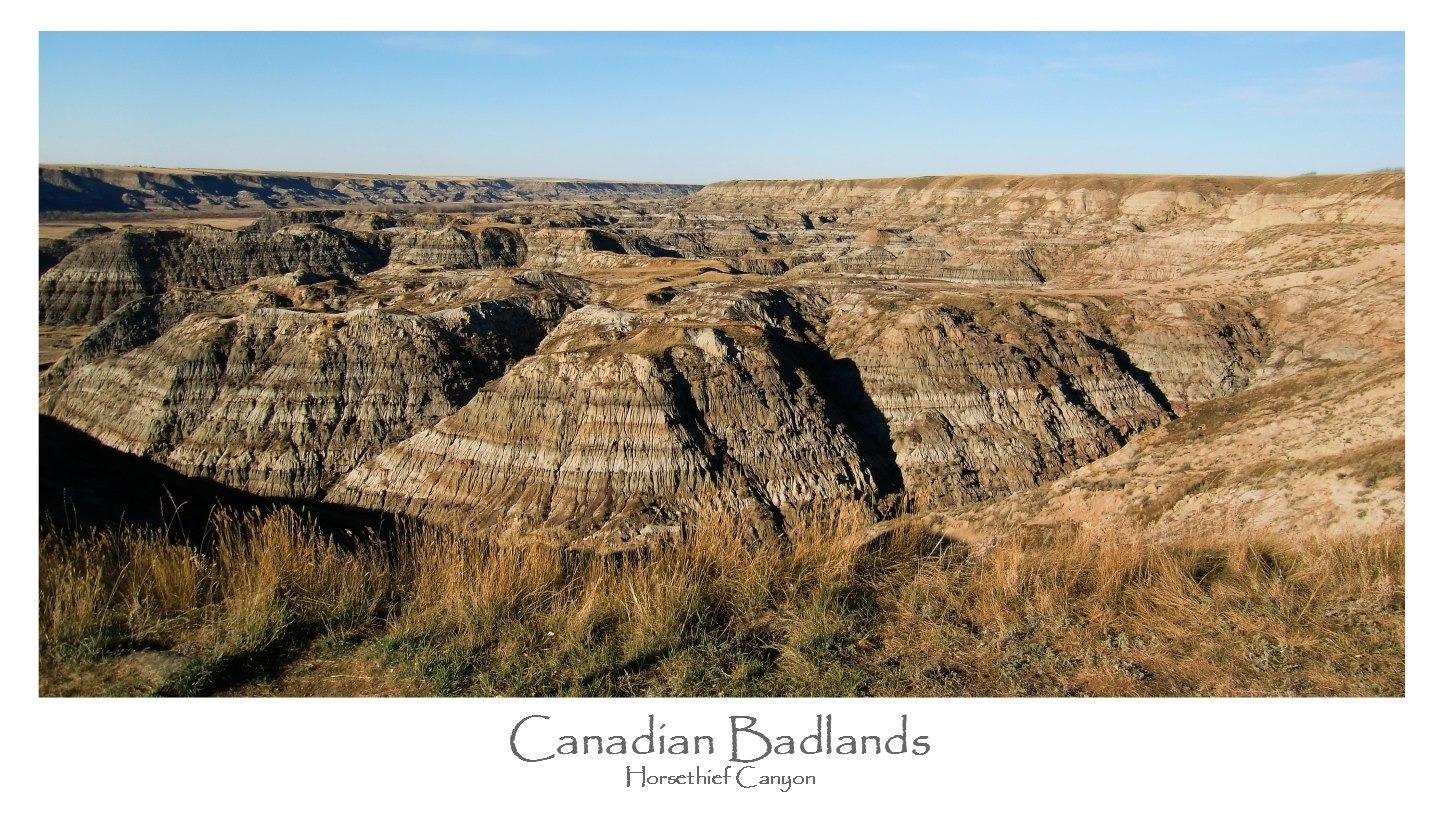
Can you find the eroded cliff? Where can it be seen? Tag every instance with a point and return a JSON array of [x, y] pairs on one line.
[[91, 189], [936, 343]]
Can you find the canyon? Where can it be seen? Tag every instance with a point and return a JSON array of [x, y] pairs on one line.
[[615, 359]]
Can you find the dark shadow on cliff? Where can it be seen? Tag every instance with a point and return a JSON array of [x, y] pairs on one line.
[[848, 405], [845, 390], [714, 447], [1142, 376], [84, 483], [847, 401]]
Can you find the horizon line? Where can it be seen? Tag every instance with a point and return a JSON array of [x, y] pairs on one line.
[[371, 175]]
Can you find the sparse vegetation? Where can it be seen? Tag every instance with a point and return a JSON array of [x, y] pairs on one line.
[[1113, 609]]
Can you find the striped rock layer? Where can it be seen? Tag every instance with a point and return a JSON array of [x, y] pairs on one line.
[[933, 341]]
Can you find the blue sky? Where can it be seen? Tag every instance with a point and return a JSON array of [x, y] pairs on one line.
[[698, 107]]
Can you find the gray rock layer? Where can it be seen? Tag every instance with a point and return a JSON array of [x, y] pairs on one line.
[[105, 273]]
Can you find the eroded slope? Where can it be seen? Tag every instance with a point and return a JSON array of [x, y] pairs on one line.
[[939, 343]]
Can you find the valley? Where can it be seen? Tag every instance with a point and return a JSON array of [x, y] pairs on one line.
[[977, 358]]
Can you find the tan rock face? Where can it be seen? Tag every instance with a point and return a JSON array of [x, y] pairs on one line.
[[1195, 350], [981, 401], [634, 413], [575, 250], [773, 397], [997, 230], [1319, 450], [453, 248]]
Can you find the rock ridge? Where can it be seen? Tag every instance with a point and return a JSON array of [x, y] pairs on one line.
[[104, 189]]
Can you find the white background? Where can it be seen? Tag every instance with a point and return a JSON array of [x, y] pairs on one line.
[[414, 758]]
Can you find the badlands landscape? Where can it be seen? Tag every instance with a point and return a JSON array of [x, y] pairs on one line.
[[953, 435]]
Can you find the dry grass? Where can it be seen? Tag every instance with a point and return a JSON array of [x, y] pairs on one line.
[[1108, 610]]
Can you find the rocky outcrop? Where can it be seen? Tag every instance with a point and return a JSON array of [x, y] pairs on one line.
[[1194, 350], [277, 401], [578, 249], [95, 189], [1322, 450], [939, 343], [1018, 230], [769, 399], [1361, 197], [89, 285], [982, 400], [109, 271], [52, 251], [369, 222], [457, 248], [624, 414]]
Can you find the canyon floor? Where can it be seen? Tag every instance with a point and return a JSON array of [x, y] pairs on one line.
[[938, 436]]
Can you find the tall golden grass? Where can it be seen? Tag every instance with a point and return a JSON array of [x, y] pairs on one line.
[[837, 608]]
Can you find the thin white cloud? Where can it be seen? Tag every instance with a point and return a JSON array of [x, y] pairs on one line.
[[1130, 60], [1086, 61], [483, 44], [1354, 85], [1351, 87], [499, 45], [1358, 72]]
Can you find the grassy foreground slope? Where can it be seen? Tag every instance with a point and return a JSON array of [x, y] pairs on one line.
[[275, 606]]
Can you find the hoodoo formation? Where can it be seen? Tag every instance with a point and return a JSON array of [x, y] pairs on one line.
[[612, 356]]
